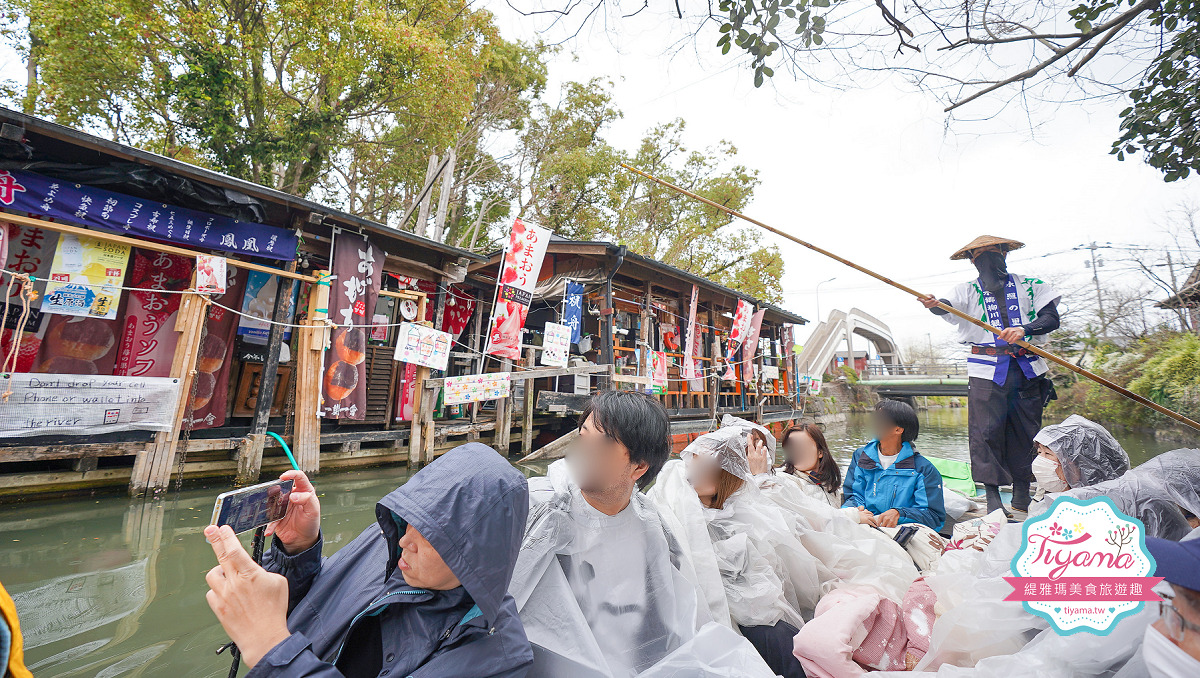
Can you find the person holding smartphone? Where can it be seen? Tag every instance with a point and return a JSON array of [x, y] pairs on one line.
[[421, 593]]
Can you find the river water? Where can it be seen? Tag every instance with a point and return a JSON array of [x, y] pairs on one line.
[[111, 587]]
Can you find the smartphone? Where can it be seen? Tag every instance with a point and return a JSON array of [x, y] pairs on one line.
[[253, 506]]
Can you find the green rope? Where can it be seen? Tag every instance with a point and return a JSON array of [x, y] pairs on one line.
[[286, 450]]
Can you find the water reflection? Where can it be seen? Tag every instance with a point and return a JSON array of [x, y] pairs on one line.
[[109, 587]]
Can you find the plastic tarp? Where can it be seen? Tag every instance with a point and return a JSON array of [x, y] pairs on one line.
[[154, 184], [1086, 451], [956, 474], [764, 570], [613, 596]]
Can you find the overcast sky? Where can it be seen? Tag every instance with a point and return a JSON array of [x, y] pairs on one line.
[[876, 175]]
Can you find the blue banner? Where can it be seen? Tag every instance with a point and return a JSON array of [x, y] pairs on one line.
[[136, 217], [573, 309]]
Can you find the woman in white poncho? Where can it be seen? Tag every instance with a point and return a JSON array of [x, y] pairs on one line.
[[767, 578]]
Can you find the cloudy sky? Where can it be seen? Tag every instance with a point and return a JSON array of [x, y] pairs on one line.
[[877, 175]]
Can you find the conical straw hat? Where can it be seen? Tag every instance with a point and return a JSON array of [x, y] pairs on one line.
[[984, 241]]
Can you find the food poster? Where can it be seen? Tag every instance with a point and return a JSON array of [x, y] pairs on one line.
[[148, 336], [214, 365], [29, 250], [524, 251], [357, 268], [210, 274], [85, 277], [422, 345], [556, 345], [658, 371], [258, 300]]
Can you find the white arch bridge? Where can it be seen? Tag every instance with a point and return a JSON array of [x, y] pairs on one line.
[[891, 377]]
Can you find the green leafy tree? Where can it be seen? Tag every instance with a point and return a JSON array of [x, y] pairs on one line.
[[271, 92], [572, 183]]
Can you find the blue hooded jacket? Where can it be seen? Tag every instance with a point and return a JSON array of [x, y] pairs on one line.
[[911, 485], [471, 505]]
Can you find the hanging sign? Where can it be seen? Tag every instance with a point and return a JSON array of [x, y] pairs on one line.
[[814, 386], [770, 372], [258, 301], [689, 339], [750, 346], [210, 274], [69, 404], [356, 269], [523, 254], [741, 323], [556, 345], [573, 310], [148, 336], [422, 345], [477, 387], [85, 277], [214, 364], [140, 218], [658, 371]]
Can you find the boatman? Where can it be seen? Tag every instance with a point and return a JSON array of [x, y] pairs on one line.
[[1008, 387]]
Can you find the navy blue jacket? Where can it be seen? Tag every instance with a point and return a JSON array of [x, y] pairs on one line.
[[471, 505], [912, 486]]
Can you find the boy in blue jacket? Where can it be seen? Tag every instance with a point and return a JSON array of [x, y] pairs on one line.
[[888, 480]]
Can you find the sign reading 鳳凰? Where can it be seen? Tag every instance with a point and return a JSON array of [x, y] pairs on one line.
[[71, 404], [141, 218], [1083, 565]]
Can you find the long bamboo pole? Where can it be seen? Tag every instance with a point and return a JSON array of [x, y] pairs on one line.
[[945, 307]]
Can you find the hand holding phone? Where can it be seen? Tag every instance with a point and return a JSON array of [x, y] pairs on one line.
[[299, 529], [254, 506]]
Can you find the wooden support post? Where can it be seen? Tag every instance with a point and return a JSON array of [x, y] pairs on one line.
[[416, 437], [152, 466], [311, 341], [249, 457], [527, 410], [250, 466], [429, 434], [503, 416], [476, 353]]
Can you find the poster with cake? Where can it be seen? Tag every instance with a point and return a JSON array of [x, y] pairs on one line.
[[422, 345], [356, 270], [85, 277], [214, 364]]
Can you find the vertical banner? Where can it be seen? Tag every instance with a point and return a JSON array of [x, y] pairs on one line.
[[658, 371], [357, 267], [573, 310], [215, 362], [741, 323], [750, 346], [148, 335], [30, 250], [85, 277], [689, 339], [519, 269]]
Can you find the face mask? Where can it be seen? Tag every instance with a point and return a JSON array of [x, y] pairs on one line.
[[993, 270], [1165, 659], [1046, 472]]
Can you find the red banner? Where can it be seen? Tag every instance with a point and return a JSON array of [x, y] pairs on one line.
[[214, 365], [750, 347], [148, 336]]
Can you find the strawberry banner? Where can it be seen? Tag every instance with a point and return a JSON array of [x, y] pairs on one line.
[[523, 254]]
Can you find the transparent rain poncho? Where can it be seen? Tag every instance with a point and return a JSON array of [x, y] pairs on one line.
[[753, 548], [1142, 496], [727, 446], [1087, 452], [1178, 472], [614, 596]]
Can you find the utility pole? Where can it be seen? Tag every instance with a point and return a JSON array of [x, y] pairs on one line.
[[1095, 266]]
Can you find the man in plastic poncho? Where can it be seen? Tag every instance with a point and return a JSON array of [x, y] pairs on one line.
[[602, 585], [1007, 385]]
